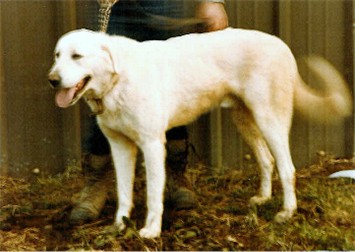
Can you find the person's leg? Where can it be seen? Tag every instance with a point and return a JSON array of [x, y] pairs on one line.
[[130, 19], [99, 178], [179, 192], [98, 169]]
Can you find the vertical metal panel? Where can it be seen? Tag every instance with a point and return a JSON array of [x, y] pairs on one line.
[[3, 116], [350, 139], [217, 149], [348, 71], [38, 135]]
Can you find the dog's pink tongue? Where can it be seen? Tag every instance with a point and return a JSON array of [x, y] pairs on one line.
[[64, 97]]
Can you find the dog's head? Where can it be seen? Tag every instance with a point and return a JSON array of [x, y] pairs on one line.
[[82, 64]]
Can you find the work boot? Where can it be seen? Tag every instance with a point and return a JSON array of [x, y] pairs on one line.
[[178, 189], [99, 176]]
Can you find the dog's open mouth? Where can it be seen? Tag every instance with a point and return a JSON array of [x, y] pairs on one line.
[[68, 96]]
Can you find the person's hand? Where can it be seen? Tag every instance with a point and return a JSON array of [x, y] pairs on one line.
[[214, 15]]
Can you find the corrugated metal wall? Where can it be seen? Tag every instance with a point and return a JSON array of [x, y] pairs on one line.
[[36, 134]]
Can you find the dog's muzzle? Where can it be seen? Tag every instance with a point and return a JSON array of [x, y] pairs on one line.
[[67, 96], [54, 80]]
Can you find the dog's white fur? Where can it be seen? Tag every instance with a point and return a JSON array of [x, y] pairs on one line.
[[146, 88]]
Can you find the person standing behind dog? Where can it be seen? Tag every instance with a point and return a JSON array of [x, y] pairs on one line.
[[145, 20]]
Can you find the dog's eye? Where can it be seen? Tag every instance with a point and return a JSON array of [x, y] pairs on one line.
[[76, 56], [57, 55]]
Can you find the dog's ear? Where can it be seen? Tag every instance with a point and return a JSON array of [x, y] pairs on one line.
[[107, 50]]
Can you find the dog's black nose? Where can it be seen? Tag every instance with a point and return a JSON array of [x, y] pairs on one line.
[[54, 80]]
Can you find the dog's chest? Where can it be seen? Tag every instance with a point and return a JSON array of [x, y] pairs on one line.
[[121, 123]]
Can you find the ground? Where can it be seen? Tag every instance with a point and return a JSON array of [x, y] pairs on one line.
[[33, 216]]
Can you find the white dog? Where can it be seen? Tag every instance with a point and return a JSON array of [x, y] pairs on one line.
[[141, 89]]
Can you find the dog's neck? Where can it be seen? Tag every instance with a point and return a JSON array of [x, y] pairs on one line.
[[95, 106], [95, 100]]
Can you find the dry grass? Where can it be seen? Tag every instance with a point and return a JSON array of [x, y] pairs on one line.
[[34, 216]]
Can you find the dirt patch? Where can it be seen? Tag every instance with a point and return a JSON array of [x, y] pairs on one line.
[[33, 216]]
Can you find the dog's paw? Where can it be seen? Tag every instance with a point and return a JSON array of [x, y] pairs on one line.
[[258, 200], [283, 216], [149, 233], [119, 223], [113, 230]]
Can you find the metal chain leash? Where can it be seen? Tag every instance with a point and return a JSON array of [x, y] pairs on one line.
[[104, 13], [103, 20]]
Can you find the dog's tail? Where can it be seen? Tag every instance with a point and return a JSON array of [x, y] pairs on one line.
[[327, 106]]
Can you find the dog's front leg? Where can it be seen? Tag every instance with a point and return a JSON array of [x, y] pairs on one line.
[[124, 153], [154, 155]]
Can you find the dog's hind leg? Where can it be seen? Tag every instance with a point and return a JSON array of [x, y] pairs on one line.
[[275, 129], [124, 153], [244, 121], [154, 157]]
